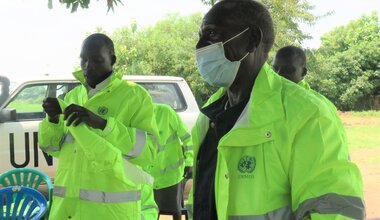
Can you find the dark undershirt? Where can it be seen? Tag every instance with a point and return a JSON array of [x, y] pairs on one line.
[[221, 122]]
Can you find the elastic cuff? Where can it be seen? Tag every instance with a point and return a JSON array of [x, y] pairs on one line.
[[109, 127], [47, 123]]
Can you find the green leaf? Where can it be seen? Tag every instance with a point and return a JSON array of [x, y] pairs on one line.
[[74, 7], [50, 4]]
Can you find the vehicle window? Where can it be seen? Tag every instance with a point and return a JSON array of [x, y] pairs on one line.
[[166, 93], [29, 99], [28, 102]]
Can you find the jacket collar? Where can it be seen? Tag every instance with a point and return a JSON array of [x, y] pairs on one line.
[[92, 91], [115, 76], [304, 84], [255, 124], [265, 102], [80, 77]]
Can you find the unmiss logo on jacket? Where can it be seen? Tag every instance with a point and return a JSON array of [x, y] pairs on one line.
[[102, 110], [247, 164]]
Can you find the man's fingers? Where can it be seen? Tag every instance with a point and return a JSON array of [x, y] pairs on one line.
[[77, 122], [70, 110], [71, 118]]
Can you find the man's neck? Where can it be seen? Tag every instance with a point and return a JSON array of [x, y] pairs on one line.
[[240, 91], [99, 86]]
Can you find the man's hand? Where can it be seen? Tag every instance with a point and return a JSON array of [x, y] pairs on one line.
[[75, 114], [52, 109], [188, 173]]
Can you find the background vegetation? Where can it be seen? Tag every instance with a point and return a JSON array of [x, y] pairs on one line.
[[346, 68]]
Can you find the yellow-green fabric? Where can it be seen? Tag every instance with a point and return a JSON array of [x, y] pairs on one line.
[[91, 181], [283, 158], [176, 151], [149, 208], [304, 84]]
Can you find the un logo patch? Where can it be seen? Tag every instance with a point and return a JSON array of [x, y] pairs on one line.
[[247, 164], [102, 110]]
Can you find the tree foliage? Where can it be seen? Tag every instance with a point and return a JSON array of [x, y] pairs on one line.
[[346, 68], [166, 49], [74, 4], [287, 16]]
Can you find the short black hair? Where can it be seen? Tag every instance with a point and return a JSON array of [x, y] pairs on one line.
[[297, 52], [103, 39], [253, 13]]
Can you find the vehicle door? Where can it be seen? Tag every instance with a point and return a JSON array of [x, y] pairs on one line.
[[19, 120]]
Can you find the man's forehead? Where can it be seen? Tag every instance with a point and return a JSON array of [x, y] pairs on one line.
[[224, 23], [94, 47]]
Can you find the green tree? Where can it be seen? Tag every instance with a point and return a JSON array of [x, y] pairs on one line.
[[287, 16], [346, 68], [166, 49], [74, 4]]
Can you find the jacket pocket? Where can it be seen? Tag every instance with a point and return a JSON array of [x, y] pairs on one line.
[[253, 171]]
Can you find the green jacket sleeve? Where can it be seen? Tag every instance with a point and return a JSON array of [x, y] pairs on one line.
[[50, 136], [94, 147], [324, 182], [138, 139], [184, 135]]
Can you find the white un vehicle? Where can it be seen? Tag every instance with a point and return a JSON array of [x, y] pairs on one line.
[[22, 111]]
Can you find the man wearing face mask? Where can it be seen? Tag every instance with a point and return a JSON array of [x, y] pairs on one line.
[[95, 132], [264, 148]]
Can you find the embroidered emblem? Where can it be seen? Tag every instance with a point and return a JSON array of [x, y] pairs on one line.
[[102, 110], [247, 164]]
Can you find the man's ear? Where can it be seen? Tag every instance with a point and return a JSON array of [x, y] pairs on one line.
[[113, 59], [255, 38], [304, 71]]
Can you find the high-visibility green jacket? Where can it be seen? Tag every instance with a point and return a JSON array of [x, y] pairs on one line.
[[91, 181], [330, 105], [283, 159], [176, 150], [149, 207]]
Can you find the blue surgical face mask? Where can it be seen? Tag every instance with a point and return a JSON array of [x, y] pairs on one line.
[[213, 65]]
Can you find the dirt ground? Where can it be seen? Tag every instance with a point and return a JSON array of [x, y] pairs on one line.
[[368, 161], [371, 179]]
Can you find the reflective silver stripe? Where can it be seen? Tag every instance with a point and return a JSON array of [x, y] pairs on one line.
[[172, 166], [106, 131], [159, 148], [109, 197], [187, 148], [68, 138], [332, 203], [183, 138], [50, 149], [284, 213], [59, 191], [171, 138], [139, 145], [145, 207], [136, 174]]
